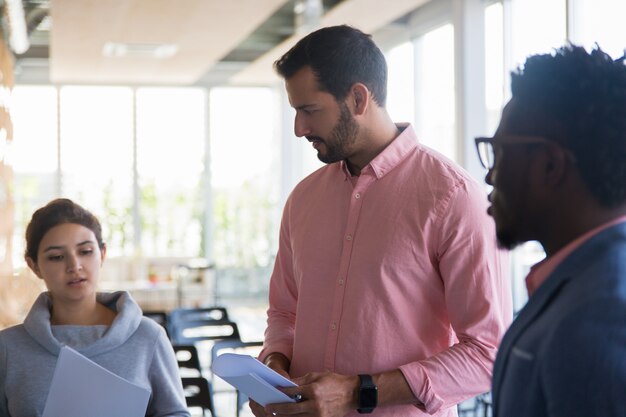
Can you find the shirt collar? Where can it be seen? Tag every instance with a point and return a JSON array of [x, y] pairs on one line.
[[542, 270], [392, 155]]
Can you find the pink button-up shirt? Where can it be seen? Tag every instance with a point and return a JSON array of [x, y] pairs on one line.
[[398, 269]]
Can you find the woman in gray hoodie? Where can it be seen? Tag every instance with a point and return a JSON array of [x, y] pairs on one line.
[[64, 247]]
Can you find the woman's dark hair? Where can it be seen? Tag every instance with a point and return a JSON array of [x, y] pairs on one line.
[[56, 212], [578, 99], [339, 56]]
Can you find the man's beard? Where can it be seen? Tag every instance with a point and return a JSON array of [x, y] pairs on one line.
[[342, 137], [507, 240]]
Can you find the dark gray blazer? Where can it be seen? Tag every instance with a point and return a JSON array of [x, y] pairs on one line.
[[565, 354]]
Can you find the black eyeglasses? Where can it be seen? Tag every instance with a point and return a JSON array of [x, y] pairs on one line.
[[486, 153]]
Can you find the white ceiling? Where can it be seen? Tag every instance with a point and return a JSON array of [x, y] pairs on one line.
[[204, 31]]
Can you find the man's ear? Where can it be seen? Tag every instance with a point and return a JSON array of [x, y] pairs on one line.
[[33, 266], [360, 96], [557, 164]]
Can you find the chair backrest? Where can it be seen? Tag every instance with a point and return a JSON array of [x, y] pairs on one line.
[[179, 316], [188, 360], [198, 393], [190, 332], [201, 313], [238, 346]]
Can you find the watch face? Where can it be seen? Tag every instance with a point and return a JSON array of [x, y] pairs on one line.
[[368, 394], [368, 397]]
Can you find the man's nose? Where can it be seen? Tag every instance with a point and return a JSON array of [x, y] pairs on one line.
[[301, 128], [490, 177]]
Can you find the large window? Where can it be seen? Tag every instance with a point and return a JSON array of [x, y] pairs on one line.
[[401, 83], [434, 80], [534, 26], [138, 159], [602, 22], [142, 158], [96, 149], [494, 64], [170, 163], [245, 152], [33, 155]]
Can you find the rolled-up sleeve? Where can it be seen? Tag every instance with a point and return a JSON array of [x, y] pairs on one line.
[[478, 302]]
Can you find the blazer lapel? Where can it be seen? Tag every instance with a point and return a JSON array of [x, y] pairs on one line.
[[613, 237], [540, 299]]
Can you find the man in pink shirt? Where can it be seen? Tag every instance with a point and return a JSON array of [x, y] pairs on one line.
[[388, 294], [558, 167]]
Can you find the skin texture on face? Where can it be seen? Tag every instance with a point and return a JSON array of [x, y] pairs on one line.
[[326, 123], [510, 196], [69, 262]]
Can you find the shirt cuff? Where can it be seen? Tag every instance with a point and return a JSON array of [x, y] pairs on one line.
[[420, 384], [284, 349]]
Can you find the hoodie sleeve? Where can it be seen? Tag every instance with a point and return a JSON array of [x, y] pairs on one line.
[[168, 399]]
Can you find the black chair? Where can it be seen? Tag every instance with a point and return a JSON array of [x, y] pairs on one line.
[[188, 360], [198, 394], [192, 331], [182, 314]]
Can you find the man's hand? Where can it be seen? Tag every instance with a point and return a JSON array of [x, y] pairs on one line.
[[279, 363], [323, 395]]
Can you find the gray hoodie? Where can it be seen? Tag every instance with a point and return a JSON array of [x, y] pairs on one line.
[[133, 347]]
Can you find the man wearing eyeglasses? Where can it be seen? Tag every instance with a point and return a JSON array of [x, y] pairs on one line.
[[557, 164]]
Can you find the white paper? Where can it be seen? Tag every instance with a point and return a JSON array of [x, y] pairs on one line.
[[81, 387], [252, 378]]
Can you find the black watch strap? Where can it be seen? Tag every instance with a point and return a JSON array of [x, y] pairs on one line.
[[368, 394]]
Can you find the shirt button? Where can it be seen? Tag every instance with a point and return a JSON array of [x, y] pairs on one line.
[[357, 195], [340, 281], [348, 237], [333, 326]]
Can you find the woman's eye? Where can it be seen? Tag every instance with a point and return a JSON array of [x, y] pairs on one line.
[[87, 252], [55, 257]]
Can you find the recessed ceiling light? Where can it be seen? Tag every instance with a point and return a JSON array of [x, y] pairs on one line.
[[141, 50]]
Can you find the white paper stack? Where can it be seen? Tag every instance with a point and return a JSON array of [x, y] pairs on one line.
[[252, 378], [81, 387]]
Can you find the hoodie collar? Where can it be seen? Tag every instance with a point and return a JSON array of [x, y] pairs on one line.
[[126, 322]]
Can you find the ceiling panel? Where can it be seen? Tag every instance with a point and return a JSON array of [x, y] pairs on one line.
[[367, 15], [203, 30]]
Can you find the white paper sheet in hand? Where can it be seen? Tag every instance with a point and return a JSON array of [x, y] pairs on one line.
[[81, 387], [252, 378]]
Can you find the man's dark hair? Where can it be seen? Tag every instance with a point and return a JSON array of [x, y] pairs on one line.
[[578, 99], [339, 56]]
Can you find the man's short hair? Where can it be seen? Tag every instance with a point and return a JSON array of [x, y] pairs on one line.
[[339, 56], [578, 99]]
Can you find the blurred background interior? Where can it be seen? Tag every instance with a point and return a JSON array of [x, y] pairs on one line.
[[164, 118]]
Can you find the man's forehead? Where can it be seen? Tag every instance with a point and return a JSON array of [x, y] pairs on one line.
[[507, 114]]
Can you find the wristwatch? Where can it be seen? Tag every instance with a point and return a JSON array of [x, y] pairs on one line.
[[368, 394]]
